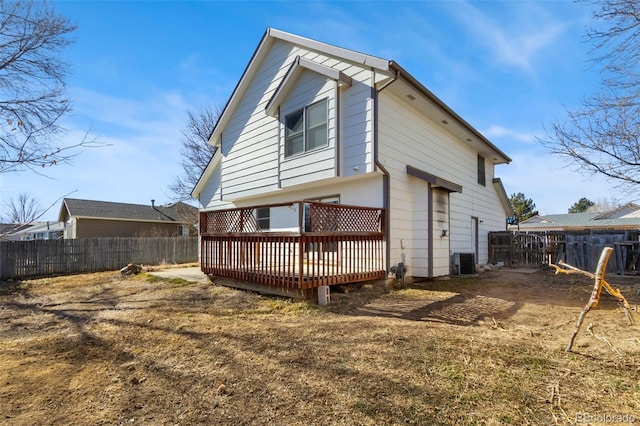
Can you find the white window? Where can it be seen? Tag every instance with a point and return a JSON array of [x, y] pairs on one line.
[[263, 218], [481, 170], [306, 129], [183, 230]]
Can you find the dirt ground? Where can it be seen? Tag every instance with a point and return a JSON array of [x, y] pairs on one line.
[[105, 349]]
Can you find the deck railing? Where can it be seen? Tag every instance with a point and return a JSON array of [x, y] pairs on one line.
[[307, 245]]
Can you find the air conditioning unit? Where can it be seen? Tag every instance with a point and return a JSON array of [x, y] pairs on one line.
[[464, 263]]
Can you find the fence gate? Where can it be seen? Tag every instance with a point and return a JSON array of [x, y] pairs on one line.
[[577, 248], [516, 250]]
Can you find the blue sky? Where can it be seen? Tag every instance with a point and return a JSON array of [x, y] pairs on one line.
[[508, 68]]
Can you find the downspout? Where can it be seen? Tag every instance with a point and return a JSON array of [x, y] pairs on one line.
[[386, 182], [337, 149]]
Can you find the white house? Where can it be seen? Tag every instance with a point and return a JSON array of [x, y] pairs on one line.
[[312, 121], [37, 231]]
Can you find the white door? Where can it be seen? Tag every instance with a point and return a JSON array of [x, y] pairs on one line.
[[474, 237]]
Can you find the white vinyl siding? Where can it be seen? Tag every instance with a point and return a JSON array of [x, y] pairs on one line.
[[320, 162], [356, 116], [252, 143], [408, 137], [365, 191], [249, 142]]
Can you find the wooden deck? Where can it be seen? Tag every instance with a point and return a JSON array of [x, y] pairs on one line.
[[342, 244]]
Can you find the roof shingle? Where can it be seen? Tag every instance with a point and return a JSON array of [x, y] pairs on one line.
[[175, 212]]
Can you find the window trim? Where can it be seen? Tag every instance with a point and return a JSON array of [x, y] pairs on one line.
[[305, 129]]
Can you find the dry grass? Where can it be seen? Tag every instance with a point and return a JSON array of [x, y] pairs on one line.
[[102, 349]]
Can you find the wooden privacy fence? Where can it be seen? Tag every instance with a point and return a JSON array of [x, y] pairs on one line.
[[578, 248], [23, 259]]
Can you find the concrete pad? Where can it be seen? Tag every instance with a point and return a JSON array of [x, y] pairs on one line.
[[189, 274]]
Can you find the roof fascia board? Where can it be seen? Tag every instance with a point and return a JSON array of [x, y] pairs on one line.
[[177, 222], [535, 216], [206, 173], [502, 195], [433, 180], [402, 73], [346, 54], [339, 76], [298, 65], [63, 209], [261, 49]]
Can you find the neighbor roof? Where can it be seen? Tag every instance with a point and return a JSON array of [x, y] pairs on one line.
[[175, 212], [624, 217], [37, 227], [7, 229]]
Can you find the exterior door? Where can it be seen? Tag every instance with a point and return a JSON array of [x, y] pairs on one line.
[[474, 237]]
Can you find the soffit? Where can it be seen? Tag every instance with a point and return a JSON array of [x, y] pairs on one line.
[[444, 117]]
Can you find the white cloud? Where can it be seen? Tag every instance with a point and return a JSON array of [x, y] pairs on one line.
[[139, 159], [514, 44], [159, 117], [497, 131]]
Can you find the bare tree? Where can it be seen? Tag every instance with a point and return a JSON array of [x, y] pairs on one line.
[[196, 151], [32, 87], [603, 205], [22, 210], [603, 136]]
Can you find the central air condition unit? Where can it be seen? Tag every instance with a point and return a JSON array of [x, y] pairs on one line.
[[464, 263]]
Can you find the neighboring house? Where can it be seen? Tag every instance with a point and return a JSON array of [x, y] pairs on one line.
[[7, 230], [310, 124], [89, 218], [626, 217], [38, 231]]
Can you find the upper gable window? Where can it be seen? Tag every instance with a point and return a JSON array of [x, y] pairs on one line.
[[306, 129], [481, 173]]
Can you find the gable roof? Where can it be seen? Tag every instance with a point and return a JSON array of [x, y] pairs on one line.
[[106, 210], [269, 37], [627, 217], [294, 71], [623, 212], [10, 227], [387, 71]]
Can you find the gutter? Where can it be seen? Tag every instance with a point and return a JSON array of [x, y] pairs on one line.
[[386, 189]]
